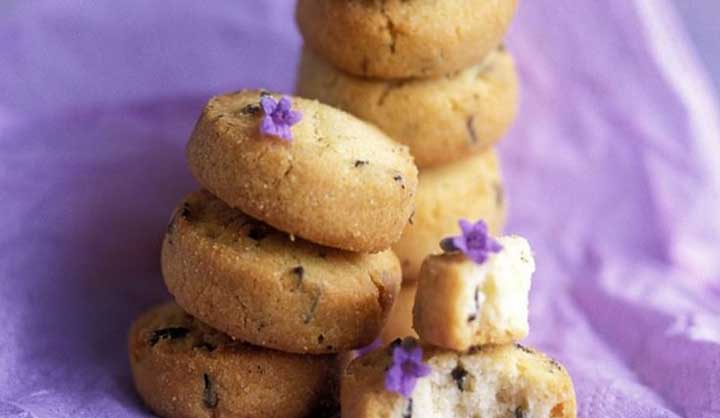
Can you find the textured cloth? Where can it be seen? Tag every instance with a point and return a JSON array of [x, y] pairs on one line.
[[612, 172]]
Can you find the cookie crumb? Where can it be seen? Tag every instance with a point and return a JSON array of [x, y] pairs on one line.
[[360, 163]]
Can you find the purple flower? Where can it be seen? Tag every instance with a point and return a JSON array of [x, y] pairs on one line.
[[406, 368], [279, 117], [474, 241]]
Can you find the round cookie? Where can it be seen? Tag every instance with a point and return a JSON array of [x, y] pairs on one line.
[[340, 182], [394, 39], [441, 119], [259, 285], [185, 369], [470, 188], [492, 381]]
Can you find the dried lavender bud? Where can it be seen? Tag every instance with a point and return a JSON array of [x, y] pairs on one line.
[[523, 348], [459, 374], [473, 316], [170, 333], [475, 349], [448, 245], [359, 163], [471, 130], [299, 271], [408, 409], [411, 219], [251, 109], [520, 412], [310, 315], [258, 232], [398, 178], [321, 338], [210, 398]]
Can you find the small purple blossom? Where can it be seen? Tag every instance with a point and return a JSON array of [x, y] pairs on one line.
[[279, 117], [474, 241], [405, 369]]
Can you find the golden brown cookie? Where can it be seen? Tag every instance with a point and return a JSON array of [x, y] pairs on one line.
[[460, 303], [440, 119], [258, 285], [470, 188], [400, 321], [340, 182], [402, 39], [184, 369], [489, 382]]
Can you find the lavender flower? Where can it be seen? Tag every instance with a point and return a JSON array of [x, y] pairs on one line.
[[405, 369], [474, 241], [279, 117]]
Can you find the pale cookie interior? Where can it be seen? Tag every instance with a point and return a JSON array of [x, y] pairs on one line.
[[495, 294], [461, 304], [479, 387]]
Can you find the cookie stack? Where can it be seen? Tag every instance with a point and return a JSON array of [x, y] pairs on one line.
[[470, 310], [278, 264], [433, 75]]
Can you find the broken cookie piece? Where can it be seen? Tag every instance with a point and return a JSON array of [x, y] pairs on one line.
[[461, 303], [490, 382]]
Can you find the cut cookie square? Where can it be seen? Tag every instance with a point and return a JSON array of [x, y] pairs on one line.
[[460, 304]]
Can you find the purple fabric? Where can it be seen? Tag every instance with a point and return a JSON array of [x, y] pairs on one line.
[[613, 172]]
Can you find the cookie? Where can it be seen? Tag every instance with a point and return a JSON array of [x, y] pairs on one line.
[[400, 321], [394, 39], [460, 303], [489, 382], [339, 182], [470, 188], [440, 119], [184, 369], [259, 285]]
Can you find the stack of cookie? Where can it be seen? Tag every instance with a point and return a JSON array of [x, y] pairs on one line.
[[278, 264], [433, 75], [470, 310]]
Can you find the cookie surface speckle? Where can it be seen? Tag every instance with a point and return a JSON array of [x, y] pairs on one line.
[[271, 291], [308, 187], [181, 377]]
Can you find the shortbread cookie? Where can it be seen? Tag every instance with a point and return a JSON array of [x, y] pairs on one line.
[[339, 182], [259, 285], [402, 39], [460, 303], [441, 120], [469, 188], [184, 369], [400, 321], [506, 381]]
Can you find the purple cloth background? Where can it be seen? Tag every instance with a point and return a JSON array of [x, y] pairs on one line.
[[613, 171]]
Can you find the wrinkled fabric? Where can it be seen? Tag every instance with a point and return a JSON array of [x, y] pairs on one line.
[[612, 171]]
